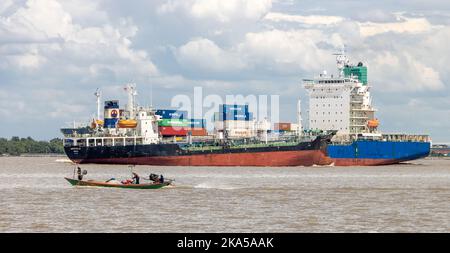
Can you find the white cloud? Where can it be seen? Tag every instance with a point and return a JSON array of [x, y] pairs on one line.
[[49, 34], [222, 11], [31, 60], [230, 9], [307, 20], [403, 72], [406, 25], [206, 55], [5, 4], [286, 51]]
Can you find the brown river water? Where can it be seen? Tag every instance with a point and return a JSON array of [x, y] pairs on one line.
[[410, 197]]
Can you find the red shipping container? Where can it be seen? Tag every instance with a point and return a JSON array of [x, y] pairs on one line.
[[198, 131], [172, 131], [282, 126]]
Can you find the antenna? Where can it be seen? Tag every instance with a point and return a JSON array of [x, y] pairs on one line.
[[98, 94], [341, 60], [151, 95]]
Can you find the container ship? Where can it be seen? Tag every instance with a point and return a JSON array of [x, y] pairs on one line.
[[343, 131], [344, 103]]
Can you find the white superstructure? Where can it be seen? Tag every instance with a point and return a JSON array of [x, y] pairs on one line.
[[341, 102]]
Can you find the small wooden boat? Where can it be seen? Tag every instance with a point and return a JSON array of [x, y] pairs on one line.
[[76, 182]]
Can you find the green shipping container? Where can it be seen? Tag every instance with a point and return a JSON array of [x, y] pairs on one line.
[[173, 123]]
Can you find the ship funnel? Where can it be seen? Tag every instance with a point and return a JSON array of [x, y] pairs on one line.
[[112, 114]]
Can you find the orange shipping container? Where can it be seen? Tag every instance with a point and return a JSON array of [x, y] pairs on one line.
[[282, 126], [198, 131]]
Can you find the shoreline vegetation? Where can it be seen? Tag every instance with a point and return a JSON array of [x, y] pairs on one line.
[[29, 147]]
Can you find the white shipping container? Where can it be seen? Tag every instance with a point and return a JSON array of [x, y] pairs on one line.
[[238, 124], [245, 133]]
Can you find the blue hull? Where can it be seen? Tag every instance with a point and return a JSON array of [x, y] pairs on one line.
[[364, 152]]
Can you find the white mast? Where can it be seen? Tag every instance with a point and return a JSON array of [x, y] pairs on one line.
[[131, 89], [98, 94], [299, 117]]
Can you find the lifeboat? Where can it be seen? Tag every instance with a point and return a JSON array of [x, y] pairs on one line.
[[373, 123], [96, 123], [127, 123]]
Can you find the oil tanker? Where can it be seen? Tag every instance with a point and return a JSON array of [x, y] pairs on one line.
[[343, 131], [146, 136]]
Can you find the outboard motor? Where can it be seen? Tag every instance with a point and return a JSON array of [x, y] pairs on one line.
[[153, 177]]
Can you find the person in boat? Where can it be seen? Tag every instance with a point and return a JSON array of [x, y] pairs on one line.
[[136, 178], [161, 179], [79, 173]]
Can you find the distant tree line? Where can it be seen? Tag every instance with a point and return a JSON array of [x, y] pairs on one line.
[[18, 146]]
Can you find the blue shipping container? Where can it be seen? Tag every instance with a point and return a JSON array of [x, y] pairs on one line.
[[172, 114], [230, 116], [234, 109]]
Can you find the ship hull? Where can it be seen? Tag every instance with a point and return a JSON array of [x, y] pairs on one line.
[[373, 153], [260, 159], [301, 154]]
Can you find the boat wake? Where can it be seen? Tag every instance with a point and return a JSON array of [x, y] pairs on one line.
[[214, 186], [65, 160]]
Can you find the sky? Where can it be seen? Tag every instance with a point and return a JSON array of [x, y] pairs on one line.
[[55, 54]]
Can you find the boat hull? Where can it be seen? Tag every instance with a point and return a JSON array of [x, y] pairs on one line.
[[373, 153], [261, 159], [306, 153], [76, 182]]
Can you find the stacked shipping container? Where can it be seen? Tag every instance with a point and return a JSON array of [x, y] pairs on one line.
[[176, 123], [236, 120]]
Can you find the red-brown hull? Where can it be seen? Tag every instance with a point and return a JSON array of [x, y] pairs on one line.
[[262, 159], [363, 162]]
